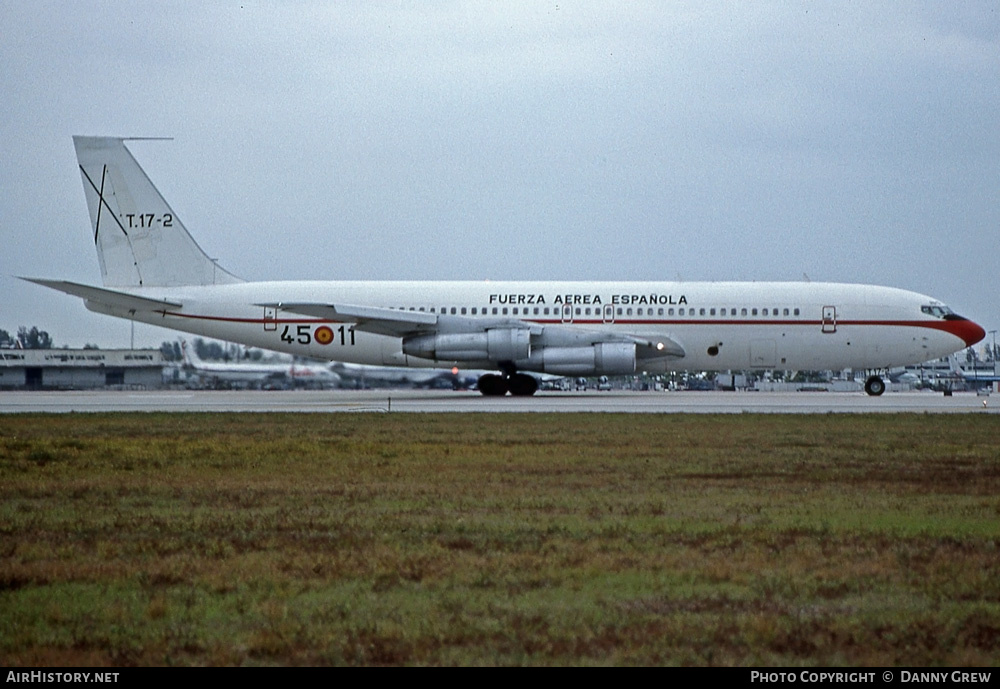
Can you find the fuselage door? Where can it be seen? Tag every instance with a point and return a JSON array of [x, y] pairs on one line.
[[567, 313], [270, 318], [829, 319], [609, 313]]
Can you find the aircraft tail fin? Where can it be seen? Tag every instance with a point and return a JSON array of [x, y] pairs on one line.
[[140, 240], [956, 367], [190, 354]]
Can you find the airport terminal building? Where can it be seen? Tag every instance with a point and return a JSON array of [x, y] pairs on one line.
[[80, 369]]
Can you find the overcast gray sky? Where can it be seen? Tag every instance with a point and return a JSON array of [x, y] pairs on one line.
[[850, 142]]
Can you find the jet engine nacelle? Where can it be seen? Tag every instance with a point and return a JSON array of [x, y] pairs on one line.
[[497, 344], [608, 358]]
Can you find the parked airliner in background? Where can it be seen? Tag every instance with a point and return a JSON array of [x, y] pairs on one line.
[[154, 272], [977, 377], [362, 376], [258, 373]]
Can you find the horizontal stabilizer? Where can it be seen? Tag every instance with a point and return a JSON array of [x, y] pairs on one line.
[[108, 297]]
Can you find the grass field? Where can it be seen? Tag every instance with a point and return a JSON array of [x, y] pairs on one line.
[[261, 539]]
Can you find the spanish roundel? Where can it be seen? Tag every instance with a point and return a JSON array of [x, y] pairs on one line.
[[323, 335]]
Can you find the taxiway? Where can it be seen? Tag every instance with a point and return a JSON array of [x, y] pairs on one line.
[[472, 402]]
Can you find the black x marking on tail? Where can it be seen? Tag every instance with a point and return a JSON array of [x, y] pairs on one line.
[[101, 203]]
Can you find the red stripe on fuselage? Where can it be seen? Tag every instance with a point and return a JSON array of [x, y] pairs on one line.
[[966, 330]]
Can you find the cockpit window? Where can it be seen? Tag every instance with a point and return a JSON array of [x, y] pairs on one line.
[[937, 311]]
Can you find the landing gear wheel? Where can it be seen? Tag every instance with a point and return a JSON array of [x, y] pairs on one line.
[[492, 385], [874, 386], [522, 385]]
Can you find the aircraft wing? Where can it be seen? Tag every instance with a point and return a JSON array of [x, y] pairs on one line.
[[367, 318], [398, 323], [108, 297]]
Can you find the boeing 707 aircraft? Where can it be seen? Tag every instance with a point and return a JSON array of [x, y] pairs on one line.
[[154, 272]]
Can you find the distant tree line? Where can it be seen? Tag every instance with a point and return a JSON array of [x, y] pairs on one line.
[[171, 351], [26, 338]]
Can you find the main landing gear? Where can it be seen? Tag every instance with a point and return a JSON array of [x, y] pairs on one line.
[[517, 384], [874, 386]]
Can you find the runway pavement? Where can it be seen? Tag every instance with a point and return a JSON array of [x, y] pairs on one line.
[[446, 401]]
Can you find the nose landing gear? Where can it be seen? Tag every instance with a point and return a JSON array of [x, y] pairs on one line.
[[874, 386]]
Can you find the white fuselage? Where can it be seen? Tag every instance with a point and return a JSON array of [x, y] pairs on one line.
[[719, 325]]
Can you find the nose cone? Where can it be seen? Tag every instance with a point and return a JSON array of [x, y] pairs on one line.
[[970, 332]]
